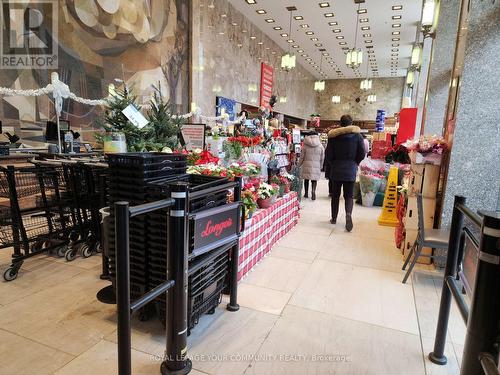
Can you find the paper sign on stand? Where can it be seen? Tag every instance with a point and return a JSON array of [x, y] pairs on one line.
[[194, 136]]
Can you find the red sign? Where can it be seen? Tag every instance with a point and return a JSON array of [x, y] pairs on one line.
[[266, 84], [217, 228]]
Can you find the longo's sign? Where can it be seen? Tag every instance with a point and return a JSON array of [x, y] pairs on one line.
[[216, 225]]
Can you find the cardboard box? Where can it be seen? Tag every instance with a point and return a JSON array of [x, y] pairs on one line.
[[411, 236], [424, 179], [411, 218], [379, 136]]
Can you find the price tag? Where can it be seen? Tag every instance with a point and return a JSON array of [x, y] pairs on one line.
[[134, 116]]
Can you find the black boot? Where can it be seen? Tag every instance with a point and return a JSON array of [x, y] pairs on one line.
[[313, 195], [335, 210], [349, 203], [306, 188]]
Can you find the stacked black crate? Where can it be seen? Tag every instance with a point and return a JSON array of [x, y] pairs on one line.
[[130, 175], [207, 273]]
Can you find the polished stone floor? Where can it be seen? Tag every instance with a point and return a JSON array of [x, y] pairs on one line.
[[323, 302]]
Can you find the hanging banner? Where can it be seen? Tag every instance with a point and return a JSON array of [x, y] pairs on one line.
[[193, 136], [266, 84]]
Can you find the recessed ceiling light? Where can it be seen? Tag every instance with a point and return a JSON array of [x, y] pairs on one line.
[[324, 5], [398, 17], [395, 39], [394, 49], [394, 54], [290, 40], [269, 20], [326, 54], [240, 45], [395, 44], [396, 32], [251, 1], [284, 35], [362, 11], [340, 37], [223, 15], [363, 20], [314, 39], [260, 43], [234, 23], [295, 46], [396, 25], [344, 48], [319, 45], [367, 35], [309, 59], [277, 28], [261, 11], [221, 32], [364, 28], [342, 43], [337, 30], [268, 48], [253, 37], [397, 7], [333, 23], [328, 15], [298, 18], [304, 55], [304, 25], [300, 51], [309, 32], [394, 58], [273, 52], [368, 41]]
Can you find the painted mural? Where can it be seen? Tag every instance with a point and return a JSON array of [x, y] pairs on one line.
[[103, 42]]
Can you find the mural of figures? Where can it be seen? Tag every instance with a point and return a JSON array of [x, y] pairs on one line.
[[103, 42]]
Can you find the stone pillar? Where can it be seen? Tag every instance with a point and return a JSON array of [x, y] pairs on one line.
[[474, 171], [421, 83], [441, 66]]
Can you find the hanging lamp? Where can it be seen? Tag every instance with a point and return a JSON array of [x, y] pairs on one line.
[[354, 57], [336, 99], [372, 98], [288, 60], [320, 84], [366, 84]]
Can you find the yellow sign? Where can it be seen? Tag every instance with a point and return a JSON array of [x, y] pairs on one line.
[[389, 216]]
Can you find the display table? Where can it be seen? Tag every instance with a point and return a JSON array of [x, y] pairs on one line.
[[264, 229]]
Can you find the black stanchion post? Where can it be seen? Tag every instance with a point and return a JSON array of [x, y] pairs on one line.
[[235, 254], [176, 361], [122, 216], [437, 355], [483, 327]]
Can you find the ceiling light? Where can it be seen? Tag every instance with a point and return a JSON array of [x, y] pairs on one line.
[[336, 30], [394, 54], [223, 15], [339, 37], [367, 35], [368, 41], [309, 32], [251, 1], [261, 11], [372, 98], [429, 16], [221, 32], [269, 20], [314, 39], [336, 98], [240, 45], [396, 25], [309, 59], [295, 46], [324, 5], [304, 55], [328, 15], [253, 37], [363, 20], [319, 86], [268, 48], [284, 35], [362, 11], [342, 43], [234, 23], [397, 7], [394, 49], [395, 39], [260, 43], [273, 52], [277, 28], [416, 55], [333, 23], [319, 45], [394, 58], [326, 54], [395, 44], [304, 25], [396, 32], [288, 62], [398, 17], [364, 28], [298, 18], [290, 40]]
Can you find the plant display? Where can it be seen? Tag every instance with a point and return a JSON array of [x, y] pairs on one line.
[[116, 122], [246, 141], [398, 154], [233, 170], [266, 191], [249, 201], [427, 144], [232, 150]]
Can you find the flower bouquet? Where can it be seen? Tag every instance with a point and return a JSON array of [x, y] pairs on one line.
[[249, 200], [205, 157], [244, 169], [283, 184], [426, 149], [210, 169], [266, 195], [370, 185]]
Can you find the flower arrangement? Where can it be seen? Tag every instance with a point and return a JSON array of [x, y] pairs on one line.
[[267, 191], [210, 169], [193, 156], [427, 144], [245, 141], [248, 198], [205, 157], [283, 183], [245, 169], [233, 170]]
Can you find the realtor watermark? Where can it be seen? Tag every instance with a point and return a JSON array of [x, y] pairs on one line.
[[28, 39], [236, 357]]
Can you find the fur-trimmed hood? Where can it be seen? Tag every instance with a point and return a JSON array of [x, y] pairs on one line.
[[312, 141], [351, 129]]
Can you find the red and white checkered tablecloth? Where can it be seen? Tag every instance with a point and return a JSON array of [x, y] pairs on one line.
[[264, 229]]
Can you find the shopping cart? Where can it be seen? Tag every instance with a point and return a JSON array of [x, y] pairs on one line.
[[33, 219]]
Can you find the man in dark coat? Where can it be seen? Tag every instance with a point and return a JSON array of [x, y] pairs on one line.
[[344, 152]]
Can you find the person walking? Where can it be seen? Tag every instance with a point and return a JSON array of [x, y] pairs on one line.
[[311, 162], [344, 151]]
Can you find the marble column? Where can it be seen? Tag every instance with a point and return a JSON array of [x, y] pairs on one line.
[[474, 171], [441, 66], [422, 80]]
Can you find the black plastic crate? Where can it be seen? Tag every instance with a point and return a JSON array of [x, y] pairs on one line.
[[142, 159]]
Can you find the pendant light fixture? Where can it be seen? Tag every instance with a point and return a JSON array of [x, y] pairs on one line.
[[372, 98], [320, 84], [288, 60], [366, 84], [336, 99], [354, 57]]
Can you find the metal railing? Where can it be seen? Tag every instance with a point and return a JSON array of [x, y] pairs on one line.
[[481, 350]]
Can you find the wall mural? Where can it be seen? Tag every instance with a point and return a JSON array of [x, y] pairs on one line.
[[101, 42]]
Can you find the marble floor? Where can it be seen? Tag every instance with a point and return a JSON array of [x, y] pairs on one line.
[[322, 302]]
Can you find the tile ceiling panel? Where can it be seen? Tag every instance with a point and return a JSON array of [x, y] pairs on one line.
[[379, 15]]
